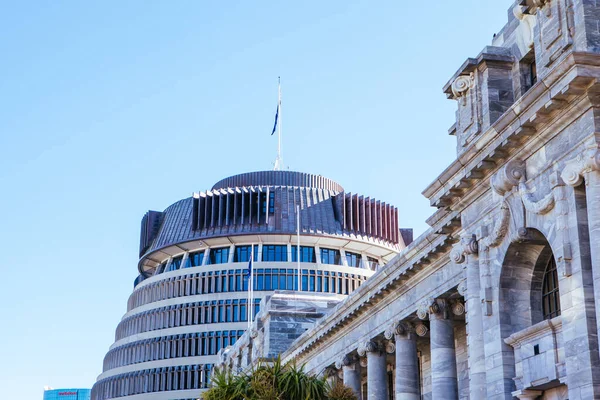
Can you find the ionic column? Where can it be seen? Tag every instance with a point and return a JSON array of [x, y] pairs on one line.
[[407, 366], [351, 373], [444, 384], [586, 167], [467, 251], [377, 387]]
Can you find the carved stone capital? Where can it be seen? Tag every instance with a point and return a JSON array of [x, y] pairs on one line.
[[575, 169], [465, 247], [421, 329], [433, 306], [346, 361], [370, 346], [509, 176], [461, 86], [399, 328], [390, 347], [363, 361], [458, 307]]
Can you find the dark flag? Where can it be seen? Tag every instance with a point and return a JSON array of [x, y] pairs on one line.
[[276, 118]]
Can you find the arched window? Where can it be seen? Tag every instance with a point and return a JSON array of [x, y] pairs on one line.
[[550, 294]]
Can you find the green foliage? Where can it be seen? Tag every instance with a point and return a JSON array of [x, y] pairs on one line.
[[274, 381]]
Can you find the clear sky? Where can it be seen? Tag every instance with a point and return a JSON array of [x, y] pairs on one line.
[[112, 108]]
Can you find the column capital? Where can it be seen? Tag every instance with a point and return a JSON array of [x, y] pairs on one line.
[[390, 347], [458, 307], [399, 328], [468, 245], [369, 346], [433, 307], [421, 329], [346, 361], [575, 169]]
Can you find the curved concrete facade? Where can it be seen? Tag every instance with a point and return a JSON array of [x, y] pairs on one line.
[[191, 296]]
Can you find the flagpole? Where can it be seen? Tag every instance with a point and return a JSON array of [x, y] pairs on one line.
[[298, 246], [252, 287], [279, 160]]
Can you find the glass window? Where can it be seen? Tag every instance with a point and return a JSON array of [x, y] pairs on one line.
[[219, 256], [330, 256], [271, 202], [353, 259], [175, 263], [243, 311], [272, 252], [550, 293], [373, 263], [242, 253], [307, 254], [195, 259]]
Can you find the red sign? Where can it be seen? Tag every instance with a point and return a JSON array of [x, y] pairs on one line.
[[67, 393]]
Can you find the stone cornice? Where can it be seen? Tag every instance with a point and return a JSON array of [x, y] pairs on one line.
[[535, 331], [424, 251], [490, 54], [569, 79]]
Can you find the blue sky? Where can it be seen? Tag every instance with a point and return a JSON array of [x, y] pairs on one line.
[[113, 108]]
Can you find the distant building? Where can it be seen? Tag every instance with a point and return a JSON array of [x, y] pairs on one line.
[[67, 394], [190, 299]]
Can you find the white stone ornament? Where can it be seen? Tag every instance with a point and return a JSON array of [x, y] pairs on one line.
[[508, 177], [461, 85], [576, 168]]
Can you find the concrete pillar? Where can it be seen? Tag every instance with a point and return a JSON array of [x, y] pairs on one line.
[[444, 383], [407, 365], [351, 373], [377, 385]]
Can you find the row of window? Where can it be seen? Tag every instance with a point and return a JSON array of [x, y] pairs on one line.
[[270, 253], [162, 348], [153, 380], [236, 280], [199, 313]]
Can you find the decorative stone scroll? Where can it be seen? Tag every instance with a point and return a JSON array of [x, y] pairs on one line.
[[575, 169], [390, 347], [508, 177], [421, 329], [370, 346], [346, 361], [464, 248], [433, 306], [398, 328], [461, 85], [458, 307]]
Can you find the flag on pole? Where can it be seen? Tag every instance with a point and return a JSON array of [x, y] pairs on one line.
[[276, 118], [249, 269]]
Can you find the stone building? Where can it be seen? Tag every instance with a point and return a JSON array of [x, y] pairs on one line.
[[500, 297], [190, 299]]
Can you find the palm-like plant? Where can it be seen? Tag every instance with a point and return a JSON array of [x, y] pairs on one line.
[[274, 381]]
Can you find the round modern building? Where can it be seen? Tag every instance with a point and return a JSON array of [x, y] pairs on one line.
[[191, 296]]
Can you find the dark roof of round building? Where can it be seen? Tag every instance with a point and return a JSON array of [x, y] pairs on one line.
[[279, 178]]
